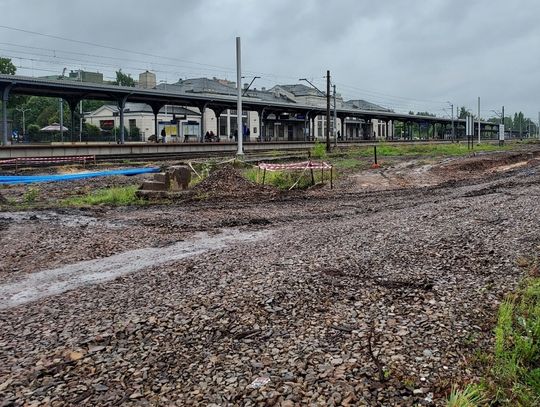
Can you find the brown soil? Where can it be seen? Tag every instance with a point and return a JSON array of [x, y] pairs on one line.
[[226, 181]]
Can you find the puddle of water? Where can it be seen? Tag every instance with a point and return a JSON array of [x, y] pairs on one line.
[[56, 281]]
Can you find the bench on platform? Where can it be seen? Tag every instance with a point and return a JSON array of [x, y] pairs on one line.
[[48, 160]]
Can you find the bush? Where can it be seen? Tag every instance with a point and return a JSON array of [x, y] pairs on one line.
[[92, 132], [33, 131], [319, 150]]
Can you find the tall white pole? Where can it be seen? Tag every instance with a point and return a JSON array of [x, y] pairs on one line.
[[239, 102], [478, 119]]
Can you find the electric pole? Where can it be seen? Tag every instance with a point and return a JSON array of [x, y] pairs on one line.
[[239, 125], [328, 111], [334, 127], [478, 120], [453, 130], [501, 141]]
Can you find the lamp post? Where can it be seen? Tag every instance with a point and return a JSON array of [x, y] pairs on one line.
[[23, 111]]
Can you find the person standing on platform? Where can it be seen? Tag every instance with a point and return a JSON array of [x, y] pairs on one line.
[[163, 135]]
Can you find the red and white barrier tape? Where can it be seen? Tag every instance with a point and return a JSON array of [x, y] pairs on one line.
[[315, 165]]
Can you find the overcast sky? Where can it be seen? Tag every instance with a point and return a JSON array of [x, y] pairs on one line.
[[403, 54]]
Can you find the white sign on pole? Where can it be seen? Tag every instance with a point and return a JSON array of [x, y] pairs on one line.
[[501, 132]]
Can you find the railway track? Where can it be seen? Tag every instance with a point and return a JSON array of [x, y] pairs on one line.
[[144, 152]]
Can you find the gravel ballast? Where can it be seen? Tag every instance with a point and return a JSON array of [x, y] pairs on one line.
[[345, 297]]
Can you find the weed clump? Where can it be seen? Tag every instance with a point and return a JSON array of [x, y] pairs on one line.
[[111, 196]]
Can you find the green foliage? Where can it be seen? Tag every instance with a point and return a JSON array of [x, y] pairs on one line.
[[513, 374], [123, 79], [116, 131], [91, 105], [7, 67], [463, 113], [43, 111], [33, 131], [91, 130], [471, 396], [353, 163], [392, 150], [203, 169], [516, 372], [134, 132], [31, 195], [286, 179], [112, 196], [319, 150]]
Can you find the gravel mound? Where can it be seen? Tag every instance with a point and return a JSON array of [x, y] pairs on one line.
[[227, 181]]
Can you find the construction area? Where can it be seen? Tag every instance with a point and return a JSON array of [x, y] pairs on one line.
[[222, 291]]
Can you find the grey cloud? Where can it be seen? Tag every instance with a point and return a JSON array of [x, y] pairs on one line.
[[427, 51]]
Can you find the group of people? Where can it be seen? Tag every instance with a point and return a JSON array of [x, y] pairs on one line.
[[210, 136]]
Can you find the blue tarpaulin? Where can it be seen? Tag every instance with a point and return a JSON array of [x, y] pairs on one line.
[[31, 179]]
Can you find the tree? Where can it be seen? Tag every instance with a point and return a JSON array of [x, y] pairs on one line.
[[7, 67], [425, 114], [33, 132], [92, 132], [134, 133], [123, 79], [463, 113]]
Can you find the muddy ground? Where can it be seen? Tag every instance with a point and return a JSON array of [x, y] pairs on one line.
[[382, 291]]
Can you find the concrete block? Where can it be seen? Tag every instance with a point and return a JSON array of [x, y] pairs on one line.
[[153, 186], [179, 177], [164, 177], [151, 194]]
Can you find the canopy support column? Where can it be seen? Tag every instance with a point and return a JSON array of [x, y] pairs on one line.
[[121, 106], [5, 99]]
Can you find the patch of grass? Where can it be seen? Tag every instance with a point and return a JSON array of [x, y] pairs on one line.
[[516, 370], [513, 372], [31, 195], [286, 179], [470, 396], [111, 196], [349, 164], [455, 149]]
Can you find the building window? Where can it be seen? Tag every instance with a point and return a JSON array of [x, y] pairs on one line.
[[132, 123]]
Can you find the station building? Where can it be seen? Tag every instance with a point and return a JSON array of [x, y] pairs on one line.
[[190, 123]]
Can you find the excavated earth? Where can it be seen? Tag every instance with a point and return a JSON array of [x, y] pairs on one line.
[[367, 294]]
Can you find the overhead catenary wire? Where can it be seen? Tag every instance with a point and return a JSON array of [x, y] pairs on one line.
[[394, 102]]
